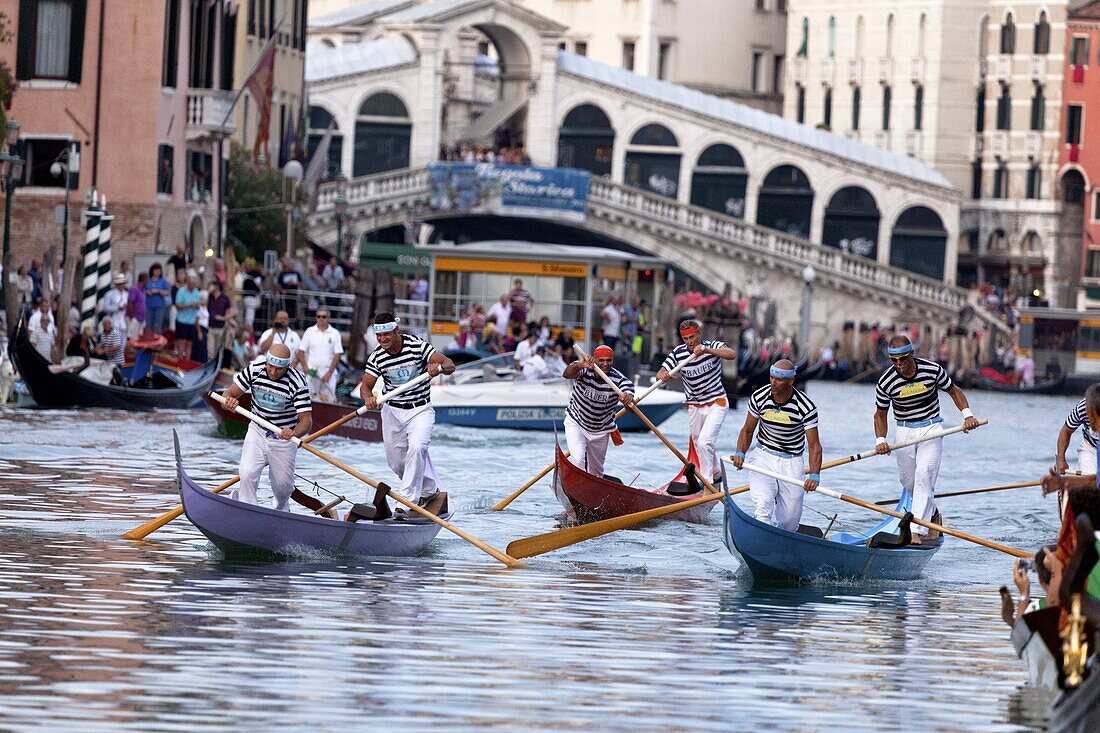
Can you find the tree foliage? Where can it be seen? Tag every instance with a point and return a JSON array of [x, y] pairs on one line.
[[256, 198]]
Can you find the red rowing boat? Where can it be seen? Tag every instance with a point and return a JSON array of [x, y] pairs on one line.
[[592, 497], [367, 428]]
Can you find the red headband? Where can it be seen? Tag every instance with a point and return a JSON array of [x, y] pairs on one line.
[[603, 351], [689, 330]]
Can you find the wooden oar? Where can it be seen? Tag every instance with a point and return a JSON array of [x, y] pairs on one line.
[[548, 541], [1023, 485], [151, 526], [652, 388], [648, 423], [882, 510], [509, 561]]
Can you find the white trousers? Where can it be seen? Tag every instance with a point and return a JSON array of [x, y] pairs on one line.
[[705, 423], [777, 502], [1086, 458], [407, 434], [278, 455], [323, 390], [918, 469], [587, 450]]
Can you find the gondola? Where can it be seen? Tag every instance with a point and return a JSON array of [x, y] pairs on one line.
[[778, 555], [591, 497], [149, 387], [366, 428], [760, 374], [237, 528], [994, 381]]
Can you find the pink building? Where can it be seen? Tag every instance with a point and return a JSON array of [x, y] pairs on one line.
[[142, 92]]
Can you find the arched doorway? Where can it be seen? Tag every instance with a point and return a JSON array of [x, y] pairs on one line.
[[586, 140], [501, 81], [1073, 187], [786, 201], [653, 161], [851, 222], [382, 133], [322, 123], [918, 242], [718, 182]]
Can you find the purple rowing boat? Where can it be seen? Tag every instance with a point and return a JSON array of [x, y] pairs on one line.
[[239, 528]]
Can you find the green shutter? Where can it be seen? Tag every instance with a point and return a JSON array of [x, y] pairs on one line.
[[24, 51]]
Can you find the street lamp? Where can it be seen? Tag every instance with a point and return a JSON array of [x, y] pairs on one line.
[[11, 168], [66, 163], [808, 276], [292, 171], [340, 209]]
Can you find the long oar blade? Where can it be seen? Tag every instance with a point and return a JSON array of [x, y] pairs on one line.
[[883, 510], [149, 527], [546, 542]]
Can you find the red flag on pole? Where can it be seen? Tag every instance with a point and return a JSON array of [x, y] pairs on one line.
[[261, 84]]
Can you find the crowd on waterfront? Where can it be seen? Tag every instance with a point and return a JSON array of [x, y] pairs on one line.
[[508, 154]]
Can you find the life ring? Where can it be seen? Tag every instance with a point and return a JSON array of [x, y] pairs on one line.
[[152, 342]]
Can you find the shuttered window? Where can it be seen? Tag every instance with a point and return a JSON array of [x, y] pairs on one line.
[[50, 42]]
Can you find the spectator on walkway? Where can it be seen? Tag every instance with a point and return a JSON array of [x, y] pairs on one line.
[[115, 303], [179, 262], [137, 306], [187, 306], [35, 274], [200, 349], [287, 284], [525, 349], [178, 284], [521, 301], [24, 285], [333, 275], [124, 270], [221, 310], [314, 281], [251, 288], [280, 333], [611, 318], [564, 345], [491, 339], [319, 356], [157, 293], [501, 313], [244, 350], [418, 288]]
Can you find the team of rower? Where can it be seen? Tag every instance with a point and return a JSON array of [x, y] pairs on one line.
[[783, 419]]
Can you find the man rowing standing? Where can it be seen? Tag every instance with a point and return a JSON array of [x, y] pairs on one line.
[[406, 423], [911, 386], [703, 392], [280, 394], [787, 419], [590, 416], [1086, 452]]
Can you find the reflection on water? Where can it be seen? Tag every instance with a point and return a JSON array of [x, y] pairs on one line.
[[656, 626]]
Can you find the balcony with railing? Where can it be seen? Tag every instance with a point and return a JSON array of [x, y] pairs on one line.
[[885, 70], [827, 70], [208, 113], [917, 70], [855, 71]]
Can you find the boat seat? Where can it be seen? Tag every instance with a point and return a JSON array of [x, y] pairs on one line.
[[613, 479], [143, 362], [811, 531], [489, 374], [682, 488]]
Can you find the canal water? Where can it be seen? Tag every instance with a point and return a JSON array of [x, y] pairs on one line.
[[656, 628]]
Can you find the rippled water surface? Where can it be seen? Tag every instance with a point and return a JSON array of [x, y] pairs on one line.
[[655, 628]]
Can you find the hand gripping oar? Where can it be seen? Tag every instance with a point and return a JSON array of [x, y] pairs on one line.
[[652, 388], [509, 561], [883, 510], [548, 541], [649, 423], [151, 526]]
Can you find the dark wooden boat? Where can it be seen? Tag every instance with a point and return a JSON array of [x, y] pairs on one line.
[[591, 497], [237, 528], [149, 387], [995, 381], [760, 374], [367, 428]]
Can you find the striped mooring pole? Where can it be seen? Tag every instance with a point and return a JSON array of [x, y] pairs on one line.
[[91, 264], [104, 281]]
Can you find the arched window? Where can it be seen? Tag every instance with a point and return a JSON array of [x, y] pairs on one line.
[[321, 123], [382, 133], [653, 161], [786, 201], [859, 37], [586, 140], [718, 182], [983, 38], [890, 36], [1031, 244], [804, 47], [921, 27], [1041, 46], [997, 241], [918, 242], [1008, 35], [1073, 187], [832, 37], [851, 222]]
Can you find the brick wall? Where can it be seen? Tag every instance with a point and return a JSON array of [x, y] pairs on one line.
[[136, 229]]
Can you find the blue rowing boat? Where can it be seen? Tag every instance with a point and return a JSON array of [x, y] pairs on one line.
[[773, 554]]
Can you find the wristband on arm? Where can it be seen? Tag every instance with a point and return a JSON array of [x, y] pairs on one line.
[[814, 477], [739, 454], [880, 440], [967, 412]]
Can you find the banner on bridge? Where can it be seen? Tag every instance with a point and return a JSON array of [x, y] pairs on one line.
[[509, 190]]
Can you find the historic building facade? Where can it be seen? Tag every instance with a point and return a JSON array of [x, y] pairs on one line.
[[141, 97]]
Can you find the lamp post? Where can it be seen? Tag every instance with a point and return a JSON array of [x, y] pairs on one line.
[[67, 163], [293, 172], [340, 209], [11, 165], [808, 276]]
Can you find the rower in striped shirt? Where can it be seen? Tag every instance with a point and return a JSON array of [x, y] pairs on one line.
[[407, 422], [590, 417], [911, 386], [280, 394], [787, 422], [704, 395], [1086, 452]]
